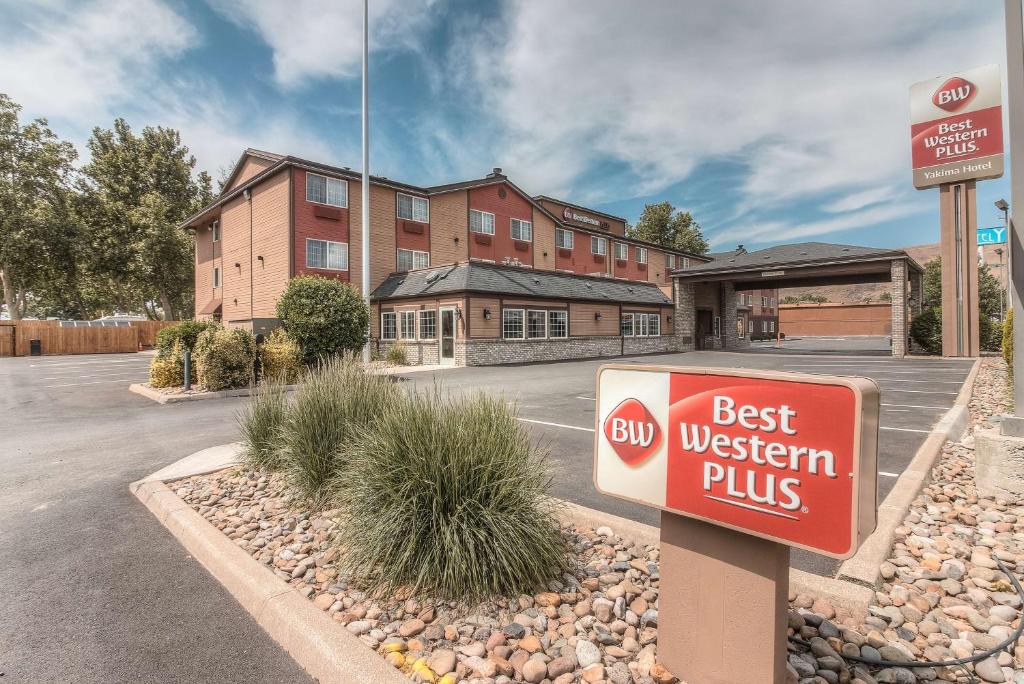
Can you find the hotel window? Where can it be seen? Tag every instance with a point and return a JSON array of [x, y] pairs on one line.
[[413, 208], [598, 245], [718, 326], [324, 190], [654, 325], [640, 325], [522, 230], [215, 228], [407, 325], [670, 261], [686, 262], [512, 324], [216, 276], [558, 323], [481, 222], [536, 324], [750, 326], [563, 238], [764, 326], [428, 324], [330, 256], [771, 326], [641, 255], [621, 251], [387, 325], [764, 302], [626, 327], [408, 259]]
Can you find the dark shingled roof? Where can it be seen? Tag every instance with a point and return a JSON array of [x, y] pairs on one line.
[[797, 254], [516, 282]]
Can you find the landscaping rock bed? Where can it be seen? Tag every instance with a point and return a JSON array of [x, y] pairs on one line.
[[943, 596]]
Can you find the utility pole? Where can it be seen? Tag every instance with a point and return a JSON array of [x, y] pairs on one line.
[[1014, 425], [365, 185]]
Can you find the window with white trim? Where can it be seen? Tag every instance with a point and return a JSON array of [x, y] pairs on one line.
[[215, 229], [641, 255], [750, 326], [522, 230], [764, 326], [563, 238], [621, 251], [771, 326], [428, 324], [558, 324], [718, 326], [387, 325], [764, 302], [512, 327], [324, 190], [407, 325], [536, 324], [670, 261], [323, 254], [626, 326], [598, 245], [686, 262], [216, 276], [408, 259], [654, 325], [413, 208], [640, 325], [481, 222]]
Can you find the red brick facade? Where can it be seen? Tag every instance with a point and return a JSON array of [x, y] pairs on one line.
[[505, 204], [319, 222]]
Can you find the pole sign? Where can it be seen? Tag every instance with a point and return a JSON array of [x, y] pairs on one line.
[[789, 457], [956, 127], [991, 236]]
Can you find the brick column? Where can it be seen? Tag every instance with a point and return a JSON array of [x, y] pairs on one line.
[[684, 318], [730, 336], [898, 269]]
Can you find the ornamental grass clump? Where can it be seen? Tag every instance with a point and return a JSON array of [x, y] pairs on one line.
[[337, 402], [448, 498], [261, 423]]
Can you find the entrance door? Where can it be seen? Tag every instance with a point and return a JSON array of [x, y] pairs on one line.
[[705, 327], [448, 336]]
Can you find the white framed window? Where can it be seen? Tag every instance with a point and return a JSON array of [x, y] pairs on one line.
[[626, 326], [771, 326], [408, 259], [771, 302], [670, 261], [522, 230], [481, 222], [413, 208], [387, 325], [324, 190], [407, 325], [621, 251], [764, 302], [718, 326], [764, 326], [428, 324], [641, 325], [641, 255], [536, 324], [686, 262], [327, 255], [598, 245], [750, 326], [215, 229], [216, 277], [512, 326], [558, 324], [563, 238], [655, 325]]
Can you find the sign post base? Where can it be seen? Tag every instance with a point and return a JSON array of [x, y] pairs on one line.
[[722, 610]]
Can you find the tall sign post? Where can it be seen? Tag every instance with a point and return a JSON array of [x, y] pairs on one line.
[[956, 131], [743, 465]]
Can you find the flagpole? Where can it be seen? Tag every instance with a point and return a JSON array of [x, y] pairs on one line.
[[365, 185]]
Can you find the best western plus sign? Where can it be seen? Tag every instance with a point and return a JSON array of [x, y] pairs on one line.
[[787, 457]]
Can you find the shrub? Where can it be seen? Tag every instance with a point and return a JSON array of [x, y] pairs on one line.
[[281, 358], [260, 423], [324, 316], [337, 401], [224, 358], [990, 333], [1008, 340], [186, 332], [926, 330], [396, 355], [169, 370], [448, 497]]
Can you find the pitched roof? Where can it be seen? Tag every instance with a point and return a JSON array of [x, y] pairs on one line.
[[796, 254], [580, 207], [517, 282]]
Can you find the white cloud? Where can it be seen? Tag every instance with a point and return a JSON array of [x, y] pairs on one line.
[[863, 198]]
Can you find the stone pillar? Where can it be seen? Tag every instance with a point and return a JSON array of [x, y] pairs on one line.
[[898, 270], [730, 336], [684, 318]]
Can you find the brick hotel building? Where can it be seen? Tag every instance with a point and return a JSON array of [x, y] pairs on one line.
[[468, 273]]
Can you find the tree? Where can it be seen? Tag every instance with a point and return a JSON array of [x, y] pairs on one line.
[[989, 294], [804, 297], [35, 173], [324, 316], [662, 225], [134, 192]]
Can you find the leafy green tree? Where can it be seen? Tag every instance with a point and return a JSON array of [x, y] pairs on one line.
[[661, 224], [989, 294], [324, 316]]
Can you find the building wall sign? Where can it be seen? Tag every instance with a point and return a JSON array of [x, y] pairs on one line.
[[783, 456], [956, 127], [569, 215], [991, 236]]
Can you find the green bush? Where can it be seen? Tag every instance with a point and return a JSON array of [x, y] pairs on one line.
[[1008, 340], [324, 316], [224, 358], [169, 370], [448, 497], [926, 330], [335, 403], [990, 333], [281, 358], [186, 332], [261, 423], [396, 355]]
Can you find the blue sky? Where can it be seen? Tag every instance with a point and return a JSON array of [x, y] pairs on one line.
[[771, 122]]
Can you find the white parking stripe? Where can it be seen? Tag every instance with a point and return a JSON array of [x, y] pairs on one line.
[[95, 375], [126, 381], [918, 406], [904, 429], [56, 364], [885, 473], [888, 389], [558, 425], [587, 398]]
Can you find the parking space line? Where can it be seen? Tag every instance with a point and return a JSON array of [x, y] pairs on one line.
[[96, 375], [887, 389], [930, 382], [55, 364], [95, 382], [885, 473], [587, 398], [918, 406], [882, 427], [558, 425]]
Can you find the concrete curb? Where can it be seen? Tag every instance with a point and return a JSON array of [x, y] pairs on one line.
[[162, 398], [864, 567], [322, 646]]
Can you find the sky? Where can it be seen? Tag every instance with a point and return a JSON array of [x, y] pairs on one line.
[[770, 122]]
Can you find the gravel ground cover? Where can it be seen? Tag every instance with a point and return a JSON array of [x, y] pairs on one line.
[[943, 596]]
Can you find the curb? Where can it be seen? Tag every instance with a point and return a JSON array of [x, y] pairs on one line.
[[864, 567], [163, 398], [319, 644]]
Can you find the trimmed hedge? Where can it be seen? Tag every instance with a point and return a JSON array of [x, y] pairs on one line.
[[224, 358], [186, 333], [324, 316], [926, 330]]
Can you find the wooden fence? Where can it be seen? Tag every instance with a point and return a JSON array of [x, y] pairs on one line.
[[16, 337]]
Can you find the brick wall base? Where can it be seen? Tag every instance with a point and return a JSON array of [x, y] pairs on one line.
[[487, 352]]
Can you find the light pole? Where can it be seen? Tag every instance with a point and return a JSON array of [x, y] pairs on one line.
[[365, 185], [1002, 274], [1004, 206]]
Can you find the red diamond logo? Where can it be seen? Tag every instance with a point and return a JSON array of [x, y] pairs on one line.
[[954, 94], [632, 431]]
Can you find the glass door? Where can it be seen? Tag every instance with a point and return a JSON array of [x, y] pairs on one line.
[[448, 336]]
